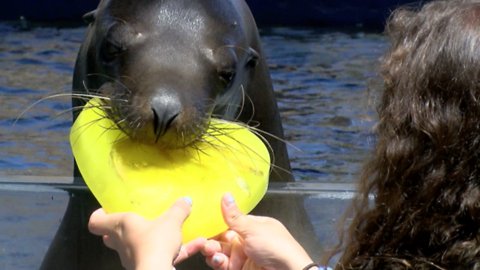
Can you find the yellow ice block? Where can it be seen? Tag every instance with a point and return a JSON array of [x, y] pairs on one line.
[[128, 176]]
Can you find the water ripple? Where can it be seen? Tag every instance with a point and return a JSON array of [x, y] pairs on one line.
[[320, 77]]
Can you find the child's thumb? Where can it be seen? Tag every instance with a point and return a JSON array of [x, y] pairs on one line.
[[232, 215]]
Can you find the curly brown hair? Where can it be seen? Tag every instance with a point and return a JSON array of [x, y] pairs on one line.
[[424, 174]]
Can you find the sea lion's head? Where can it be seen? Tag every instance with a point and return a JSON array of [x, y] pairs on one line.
[[166, 67]]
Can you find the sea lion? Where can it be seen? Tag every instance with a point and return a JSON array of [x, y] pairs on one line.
[[166, 66]]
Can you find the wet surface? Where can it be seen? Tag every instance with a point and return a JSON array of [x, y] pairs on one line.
[[320, 77]]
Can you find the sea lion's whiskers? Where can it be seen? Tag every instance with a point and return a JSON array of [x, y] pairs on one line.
[[69, 110], [87, 125], [84, 83], [58, 95], [261, 134], [226, 132], [117, 116], [197, 149], [137, 123], [257, 131], [120, 121], [118, 124], [86, 96], [213, 136], [133, 125], [195, 136], [253, 109], [241, 106], [120, 138], [120, 135], [242, 103]]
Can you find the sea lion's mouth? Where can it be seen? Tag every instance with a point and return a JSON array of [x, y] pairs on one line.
[[171, 139], [142, 125]]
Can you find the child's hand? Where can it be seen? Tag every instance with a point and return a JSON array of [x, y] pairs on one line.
[[144, 244], [253, 242]]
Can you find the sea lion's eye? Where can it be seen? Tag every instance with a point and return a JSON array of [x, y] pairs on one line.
[[253, 57], [226, 62], [226, 76], [115, 42], [111, 50]]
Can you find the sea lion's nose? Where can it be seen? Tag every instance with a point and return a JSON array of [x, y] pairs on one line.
[[165, 109]]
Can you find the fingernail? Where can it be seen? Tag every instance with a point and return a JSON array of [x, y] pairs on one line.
[[217, 259], [188, 200], [229, 198]]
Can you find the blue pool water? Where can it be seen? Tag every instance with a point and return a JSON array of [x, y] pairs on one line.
[[320, 76]]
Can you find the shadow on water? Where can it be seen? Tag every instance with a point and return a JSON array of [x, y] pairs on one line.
[[320, 78]]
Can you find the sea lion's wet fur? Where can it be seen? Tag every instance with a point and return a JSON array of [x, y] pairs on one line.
[[168, 69]]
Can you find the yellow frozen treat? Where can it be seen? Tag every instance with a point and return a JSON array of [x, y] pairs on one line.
[[128, 176]]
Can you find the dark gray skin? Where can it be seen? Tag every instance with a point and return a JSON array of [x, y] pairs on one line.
[[167, 66]]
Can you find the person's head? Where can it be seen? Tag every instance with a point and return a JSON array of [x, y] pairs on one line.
[[424, 174]]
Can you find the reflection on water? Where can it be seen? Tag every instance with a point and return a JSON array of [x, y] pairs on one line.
[[34, 65], [320, 77]]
